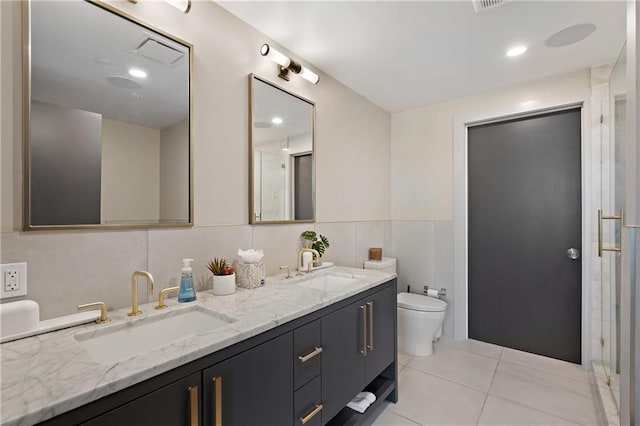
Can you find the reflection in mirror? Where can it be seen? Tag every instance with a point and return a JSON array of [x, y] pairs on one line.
[[109, 120], [282, 163]]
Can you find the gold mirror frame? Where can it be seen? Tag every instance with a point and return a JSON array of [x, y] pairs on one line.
[[26, 127], [252, 219]]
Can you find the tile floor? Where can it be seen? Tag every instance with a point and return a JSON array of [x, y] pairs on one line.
[[476, 383]]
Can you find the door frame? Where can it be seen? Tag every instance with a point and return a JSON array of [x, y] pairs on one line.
[[460, 211]]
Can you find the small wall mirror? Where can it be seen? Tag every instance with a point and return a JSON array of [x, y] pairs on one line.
[[107, 128], [282, 166]]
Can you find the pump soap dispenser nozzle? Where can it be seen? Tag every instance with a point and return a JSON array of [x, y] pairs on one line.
[[187, 292]]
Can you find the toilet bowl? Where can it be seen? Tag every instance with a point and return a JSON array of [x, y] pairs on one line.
[[420, 321], [420, 317]]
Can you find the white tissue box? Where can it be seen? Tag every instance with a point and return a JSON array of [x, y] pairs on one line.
[[250, 275]]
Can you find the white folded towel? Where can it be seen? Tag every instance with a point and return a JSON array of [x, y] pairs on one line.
[[362, 401]]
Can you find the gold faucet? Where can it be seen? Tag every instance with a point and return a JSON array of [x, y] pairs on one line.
[[305, 250], [288, 272], [96, 305], [134, 290], [163, 293]]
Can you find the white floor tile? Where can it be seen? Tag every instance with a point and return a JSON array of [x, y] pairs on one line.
[[550, 365], [428, 400], [458, 366], [389, 418], [560, 396], [404, 359], [475, 346], [499, 412]]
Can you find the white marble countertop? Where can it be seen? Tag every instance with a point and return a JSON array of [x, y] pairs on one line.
[[46, 375]]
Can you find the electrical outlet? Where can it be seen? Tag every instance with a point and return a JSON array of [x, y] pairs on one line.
[[14, 280]]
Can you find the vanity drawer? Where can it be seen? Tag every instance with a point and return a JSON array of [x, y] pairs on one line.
[[307, 353], [308, 405]]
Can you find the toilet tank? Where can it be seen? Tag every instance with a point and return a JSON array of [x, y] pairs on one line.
[[387, 264]]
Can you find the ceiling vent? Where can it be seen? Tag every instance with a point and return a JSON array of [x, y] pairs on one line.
[[158, 50], [482, 5]]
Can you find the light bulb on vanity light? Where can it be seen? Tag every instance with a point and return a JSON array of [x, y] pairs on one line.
[[275, 55], [288, 65]]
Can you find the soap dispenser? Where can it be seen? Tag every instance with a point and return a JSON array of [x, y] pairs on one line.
[[187, 292]]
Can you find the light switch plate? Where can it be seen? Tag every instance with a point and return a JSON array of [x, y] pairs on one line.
[[13, 277]]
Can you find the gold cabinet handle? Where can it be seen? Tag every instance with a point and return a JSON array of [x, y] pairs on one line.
[[364, 330], [313, 412], [600, 219], [370, 345], [217, 400], [194, 415], [310, 355]]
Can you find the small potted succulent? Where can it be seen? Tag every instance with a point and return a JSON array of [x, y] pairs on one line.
[[224, 277], [315, 241]]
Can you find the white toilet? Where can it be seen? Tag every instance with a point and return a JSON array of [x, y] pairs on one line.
[[420, 317]]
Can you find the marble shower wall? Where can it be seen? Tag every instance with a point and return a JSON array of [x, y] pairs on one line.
[[66, 269]]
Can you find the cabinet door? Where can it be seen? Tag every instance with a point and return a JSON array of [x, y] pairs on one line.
[[251, 388], [381, 332], [175, 404], [343, 346]]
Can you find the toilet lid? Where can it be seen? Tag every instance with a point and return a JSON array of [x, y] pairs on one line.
[[418, 302]]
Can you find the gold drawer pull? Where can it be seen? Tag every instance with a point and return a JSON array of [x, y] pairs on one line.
[[370, 345], [309, 416], [217, 400], [310, 355], [194, 415]]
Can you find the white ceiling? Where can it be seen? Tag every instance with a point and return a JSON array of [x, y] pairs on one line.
[[403, 54]]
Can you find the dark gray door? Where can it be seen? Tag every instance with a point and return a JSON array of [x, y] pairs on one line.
[[525, 291], [303, 186]]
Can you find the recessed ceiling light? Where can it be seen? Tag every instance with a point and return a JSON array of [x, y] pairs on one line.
[[516, 51], [276, 120], [136, 72]]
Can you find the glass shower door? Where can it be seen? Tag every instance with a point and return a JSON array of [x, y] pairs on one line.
[[610, 221]]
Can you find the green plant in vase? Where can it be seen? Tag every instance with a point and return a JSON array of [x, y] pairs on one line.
[[315, 241]]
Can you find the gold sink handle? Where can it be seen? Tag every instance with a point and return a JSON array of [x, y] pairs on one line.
[[162, 295], [96, 305]]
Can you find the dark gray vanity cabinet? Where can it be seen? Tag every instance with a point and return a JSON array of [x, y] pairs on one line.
[[359, 343], [175, 404], [252, 388], [304, 371]]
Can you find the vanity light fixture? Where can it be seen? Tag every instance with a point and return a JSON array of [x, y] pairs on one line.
[[136, 72], [276, 120], [516, 51], [286, 64]]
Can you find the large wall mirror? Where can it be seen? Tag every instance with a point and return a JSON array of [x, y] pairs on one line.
[[107, 120], [282, 165]]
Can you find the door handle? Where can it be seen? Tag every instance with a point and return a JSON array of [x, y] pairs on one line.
[[573, 253], [217, 400], [194, 415], [363, 351], [600, 219], [370, 345]]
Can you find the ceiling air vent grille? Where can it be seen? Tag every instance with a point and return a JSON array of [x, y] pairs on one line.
[[482, 5]]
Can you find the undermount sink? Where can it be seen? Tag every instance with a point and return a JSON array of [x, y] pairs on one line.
[[326, 282], [124, 341]]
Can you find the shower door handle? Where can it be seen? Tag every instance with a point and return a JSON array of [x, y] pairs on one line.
[[573, 253], [620, 217]]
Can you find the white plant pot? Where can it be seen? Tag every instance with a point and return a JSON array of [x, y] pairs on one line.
[[224, 284]]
